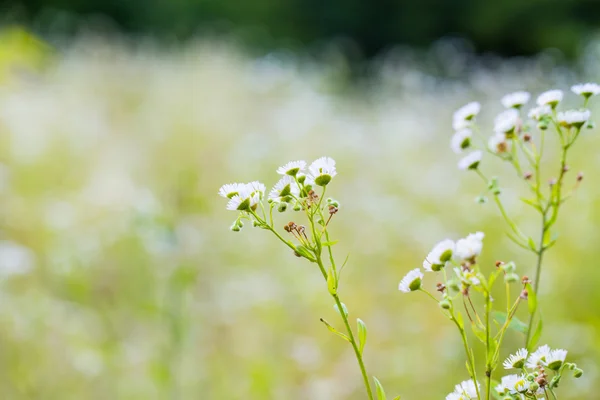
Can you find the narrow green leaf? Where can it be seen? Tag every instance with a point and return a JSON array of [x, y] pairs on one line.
[[332, 329], [345, 310], [478, 331], [531, 244], [531, 202], [537, 334], [331, 282], [397, 398], [459, 319], [380, 392], [517, 241], [329, 244], [531, 299], [514, 324], [362, 334]]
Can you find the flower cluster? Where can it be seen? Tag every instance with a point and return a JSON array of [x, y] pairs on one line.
[[466, 390]]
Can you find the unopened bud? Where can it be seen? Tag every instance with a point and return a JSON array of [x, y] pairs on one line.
[[297, 207], [527, 137], [510, 267], [579, 176], [282, 207], [235, 227], [527, 175], [533, 386], [577, 372], [445, 304], [481, 199], [542, 125], [565, 168], [552, 182], [440, 287], [511, 278], [525, 280], [524, 294], [499, 263]]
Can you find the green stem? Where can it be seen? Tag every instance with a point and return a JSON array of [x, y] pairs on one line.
[[488, 371], [470, 358]]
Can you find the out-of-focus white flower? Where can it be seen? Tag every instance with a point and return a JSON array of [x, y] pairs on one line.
[[15, 259], [322, 171], [256, 187], [469, 247], [411, 281], [248, 197], [574, 118], [292, 168], [285, 187], [470, 161], [231, 189], [468, 278], [506, 121], [586, 89], [507, 385], [465, 390], [516, 360], [516, 99], [537, 113], [439, 255], [550, 98], [538, 357], [498, 143], [464, 115], [555, 359], [461, 140]]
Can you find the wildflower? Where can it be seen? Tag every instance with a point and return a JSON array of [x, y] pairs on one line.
[[550, 98], [537, 113], [469, 247], [247, 197], [516, 360], [461, 140], [411, 281], [322, 171], [507, 385], [574, 118], [439, 255], [470, 161], [465, 390], [555, 359], [292, 168], [256, 187], [464, 115], [468, 278], [516, 99], [506, 121], [586, 89], [538, 357], [499, 144], [284, 189], [231, 189]]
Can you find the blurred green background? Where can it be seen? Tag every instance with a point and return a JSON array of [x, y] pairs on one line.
[[120, 278]]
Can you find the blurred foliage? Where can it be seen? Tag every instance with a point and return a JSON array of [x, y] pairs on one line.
[[121, 280], [508, 27], [20, 50]]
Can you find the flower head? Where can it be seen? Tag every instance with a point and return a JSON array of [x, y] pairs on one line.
[[469, 247], [498, 143], [439, 255], [461, 140], [537, 113], [465, 390], [574, 118], [550, 98], [411, 281], [506, 121], [292, 168], [468, 278], [555, 359], [516, 99], [284, 189], [507, 385], [322, 171], [470, 161], [231, 189], [516, 360], [586, 89], [538, 357], [247, 197], [464, 115]]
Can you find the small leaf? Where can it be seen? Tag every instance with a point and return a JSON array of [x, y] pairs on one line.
[[331, 282], [514, 324], [531, 244], [535, 338], [479, 332], [329, 244], [332, 329], [531, 299], [397, 398], [336, 308], [517, 241], [531, 202], [362, 334], [459, 320], [380, 392]]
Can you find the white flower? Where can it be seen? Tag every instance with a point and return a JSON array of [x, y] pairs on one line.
[[538, 357], [507, 385], [519, 384], [516, 99], [322, 171], [256, 187], [231, 189], [439, 255], [537, 113], [465, 390], [469, 247], [292, 168], [248, 197], [461, 140], [499, 144], [586, 89], [470, 161], [464, 115], [574, 118], [516, 360], [411, 281], [506, 121], [555, 359], [285, 187], [468, 278], [550, 98]]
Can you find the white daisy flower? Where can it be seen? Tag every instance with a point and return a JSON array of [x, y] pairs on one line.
[[586, 89], [550, 98], [465, 390], [292, 168], [256, 187], [506, 121], [555, 359], [455, 396], [470, 161], [322, 171], [537, 113], [469, 247], [516, 360], [411, 281], [461, 140], [439, 255], [231, 189], [499, 144], [507, 385], [520, 384], [464, 115], [574, 118], [516, 99], [284, 188], [538, 357], [468, 278], [244, 202]]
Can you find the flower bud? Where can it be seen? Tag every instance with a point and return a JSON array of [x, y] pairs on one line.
[[511, 277], [591, 125], [533, 386], [577, 372], [297, 207], [481, 199], [235, 227], [542, 125], [453, 284], [445, 304], [282, 207], [510, 267], [333, 202], [255, 223]]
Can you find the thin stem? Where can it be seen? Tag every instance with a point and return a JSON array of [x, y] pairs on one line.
[[467, 351], [488, 372]]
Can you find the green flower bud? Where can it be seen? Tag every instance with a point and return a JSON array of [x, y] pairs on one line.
[[282, 207], [481, 199], [297, 207], [577, 372], [511, 278], [445, 304]]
